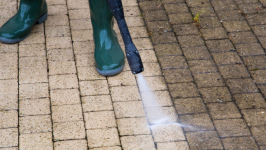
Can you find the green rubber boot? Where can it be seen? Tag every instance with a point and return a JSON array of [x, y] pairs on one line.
[[19, 26], [108, 54]]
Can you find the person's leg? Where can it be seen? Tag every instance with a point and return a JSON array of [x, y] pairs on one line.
[[19, 26], [109, 57]]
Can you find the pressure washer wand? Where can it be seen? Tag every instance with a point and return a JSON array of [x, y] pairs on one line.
[[132, 53]]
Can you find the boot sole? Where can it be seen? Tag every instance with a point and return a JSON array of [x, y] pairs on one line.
[[111, 72], [9, 41]]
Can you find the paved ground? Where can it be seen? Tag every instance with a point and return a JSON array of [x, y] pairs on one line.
[[208, 74]]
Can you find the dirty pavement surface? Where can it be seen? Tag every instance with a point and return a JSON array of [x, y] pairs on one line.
[[207, 73]]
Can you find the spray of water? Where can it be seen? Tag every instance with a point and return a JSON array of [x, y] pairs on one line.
[[153, 110]]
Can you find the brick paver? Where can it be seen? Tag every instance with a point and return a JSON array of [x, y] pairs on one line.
[[208, 75]]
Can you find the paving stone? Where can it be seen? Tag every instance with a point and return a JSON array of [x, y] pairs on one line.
[[204, 140], [208, 79], [177, 75], [190, 41], [9, 119], [132, 11], [223, 5], [156, 83], [185, 29], [181, 90], [213, 33], [73, 4], [58, 20], [9, 86], [236, 26], [262, 41], [202, 66], [9, 137], [33, 75], [242, 37], [89, 73], [151, 69], [8, 101], [167, 133], [162, 99], [210, 22], [138, 32], [148, 56], [225, 58], [241, 86], [204, 11], [234, 71], [172, 1], [259, 134], [57, 31], [167, 49], [249, 49], [150, 5], [71, 144], [124, 78], [59, 2], [63, 81], [108, 148], [58, 42], [68, 130], [182, 145], [34, 38], [246, 1], [197, 121], [256, 19], [255, 62], [34, 107], [79, 14], [34, 140], [262, 89], [135, 21], [33, 124], [108, 137], [85, 60], [168, 62], [175, 8], [194, 53], [9, 59], [97, 103], [83, 47], [251, 8], [137, 142], [254, 117], [230, 15], [32, 50], [84, 24], [65, 113], [159, 15], [259, 76], [57, 10], [129, 109], [156, 114], [248, 101], [133, 126], [37, 28], [231, 127], [82, 35], [39, 90], [158, 26], [125, 93], [99, 120], [62, 67], [8, 72], [215, 94], [259, 30], [163, 38], [195, 3], [60, 55], [226, 110], [189, 106], [180, 18], [32, 62], [8, 48], [11, 148], [240, 143]]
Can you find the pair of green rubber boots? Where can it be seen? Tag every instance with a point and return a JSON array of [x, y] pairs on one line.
[[109, 56]]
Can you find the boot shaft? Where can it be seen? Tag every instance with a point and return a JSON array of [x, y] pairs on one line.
[[33, 7]]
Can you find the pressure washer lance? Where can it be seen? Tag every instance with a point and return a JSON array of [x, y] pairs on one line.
[[132, 53]]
